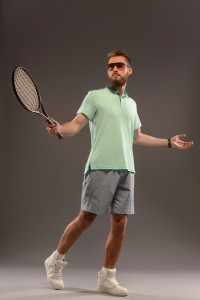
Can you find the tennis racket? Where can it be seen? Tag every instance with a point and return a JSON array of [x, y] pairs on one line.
[[28, 95]]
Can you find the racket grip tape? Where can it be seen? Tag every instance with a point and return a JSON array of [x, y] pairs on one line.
[[49, 121]]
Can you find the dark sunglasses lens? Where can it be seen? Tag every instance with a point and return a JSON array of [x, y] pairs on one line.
[[120, 66], [111, 66]]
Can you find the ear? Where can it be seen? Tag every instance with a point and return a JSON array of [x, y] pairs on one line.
[[130, 71]]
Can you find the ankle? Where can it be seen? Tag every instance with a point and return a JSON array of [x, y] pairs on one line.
[[109, 267], [59, 255], [106, 269]]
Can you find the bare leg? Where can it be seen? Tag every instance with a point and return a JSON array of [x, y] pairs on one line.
[[115, 239], [74, 230]]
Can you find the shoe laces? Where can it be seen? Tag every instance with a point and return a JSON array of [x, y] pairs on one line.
[[57, 271], [114, 280]]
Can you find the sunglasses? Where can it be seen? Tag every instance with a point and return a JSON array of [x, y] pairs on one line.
[[120, 66]]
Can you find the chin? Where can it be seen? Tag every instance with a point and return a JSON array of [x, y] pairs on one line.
[[116, 83]]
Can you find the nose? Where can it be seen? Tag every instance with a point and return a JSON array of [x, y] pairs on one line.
[[115, 68]]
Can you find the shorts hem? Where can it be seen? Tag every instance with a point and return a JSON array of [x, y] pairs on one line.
[[107, 212]]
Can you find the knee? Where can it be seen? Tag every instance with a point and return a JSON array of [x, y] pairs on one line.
[[118, 224], [86, 219]]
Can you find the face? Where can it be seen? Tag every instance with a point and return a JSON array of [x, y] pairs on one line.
[[118, 75]]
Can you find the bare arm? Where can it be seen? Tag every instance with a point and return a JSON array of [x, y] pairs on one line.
[[147, 140], [70, 128]]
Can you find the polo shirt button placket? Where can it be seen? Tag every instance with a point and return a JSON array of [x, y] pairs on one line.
[[121, 99]]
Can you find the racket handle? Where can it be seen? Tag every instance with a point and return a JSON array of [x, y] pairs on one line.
[[59, 135]]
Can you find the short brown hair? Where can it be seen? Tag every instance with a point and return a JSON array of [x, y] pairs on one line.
[[119, 53]]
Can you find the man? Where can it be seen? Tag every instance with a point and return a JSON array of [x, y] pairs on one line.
[[108, 185]]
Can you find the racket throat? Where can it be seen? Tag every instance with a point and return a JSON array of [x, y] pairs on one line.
[[49, 121]]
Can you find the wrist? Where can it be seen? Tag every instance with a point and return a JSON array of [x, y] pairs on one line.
[[169, 143], [61, 130]]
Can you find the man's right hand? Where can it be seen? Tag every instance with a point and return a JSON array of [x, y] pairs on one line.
[[53, 129], [70, 128]]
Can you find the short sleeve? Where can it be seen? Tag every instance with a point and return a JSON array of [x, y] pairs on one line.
[[88, 106], [137, 123]]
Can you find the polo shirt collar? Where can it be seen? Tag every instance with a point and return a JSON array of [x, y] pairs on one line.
[[115, 91]]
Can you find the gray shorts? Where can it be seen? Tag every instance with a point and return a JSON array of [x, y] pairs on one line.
[[108, 191]]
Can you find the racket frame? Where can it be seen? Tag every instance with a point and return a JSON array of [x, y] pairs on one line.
[[44, 114]]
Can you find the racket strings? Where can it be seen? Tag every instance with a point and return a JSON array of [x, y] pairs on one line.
[[26, 90]]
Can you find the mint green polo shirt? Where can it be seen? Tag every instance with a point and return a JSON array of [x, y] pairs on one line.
[[112, 120]]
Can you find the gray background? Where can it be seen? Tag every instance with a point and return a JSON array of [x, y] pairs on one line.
[[64, 45]]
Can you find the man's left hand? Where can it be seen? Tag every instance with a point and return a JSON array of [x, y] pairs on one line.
[[176, 142]]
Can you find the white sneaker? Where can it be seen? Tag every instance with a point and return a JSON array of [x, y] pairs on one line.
[[108, 284], [54, 271]]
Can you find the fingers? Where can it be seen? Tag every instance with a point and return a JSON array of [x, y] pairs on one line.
[[186, 145], [181, 135], [189, 144], [182, 145], [55, 122], [179, 144], [53, 129]]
